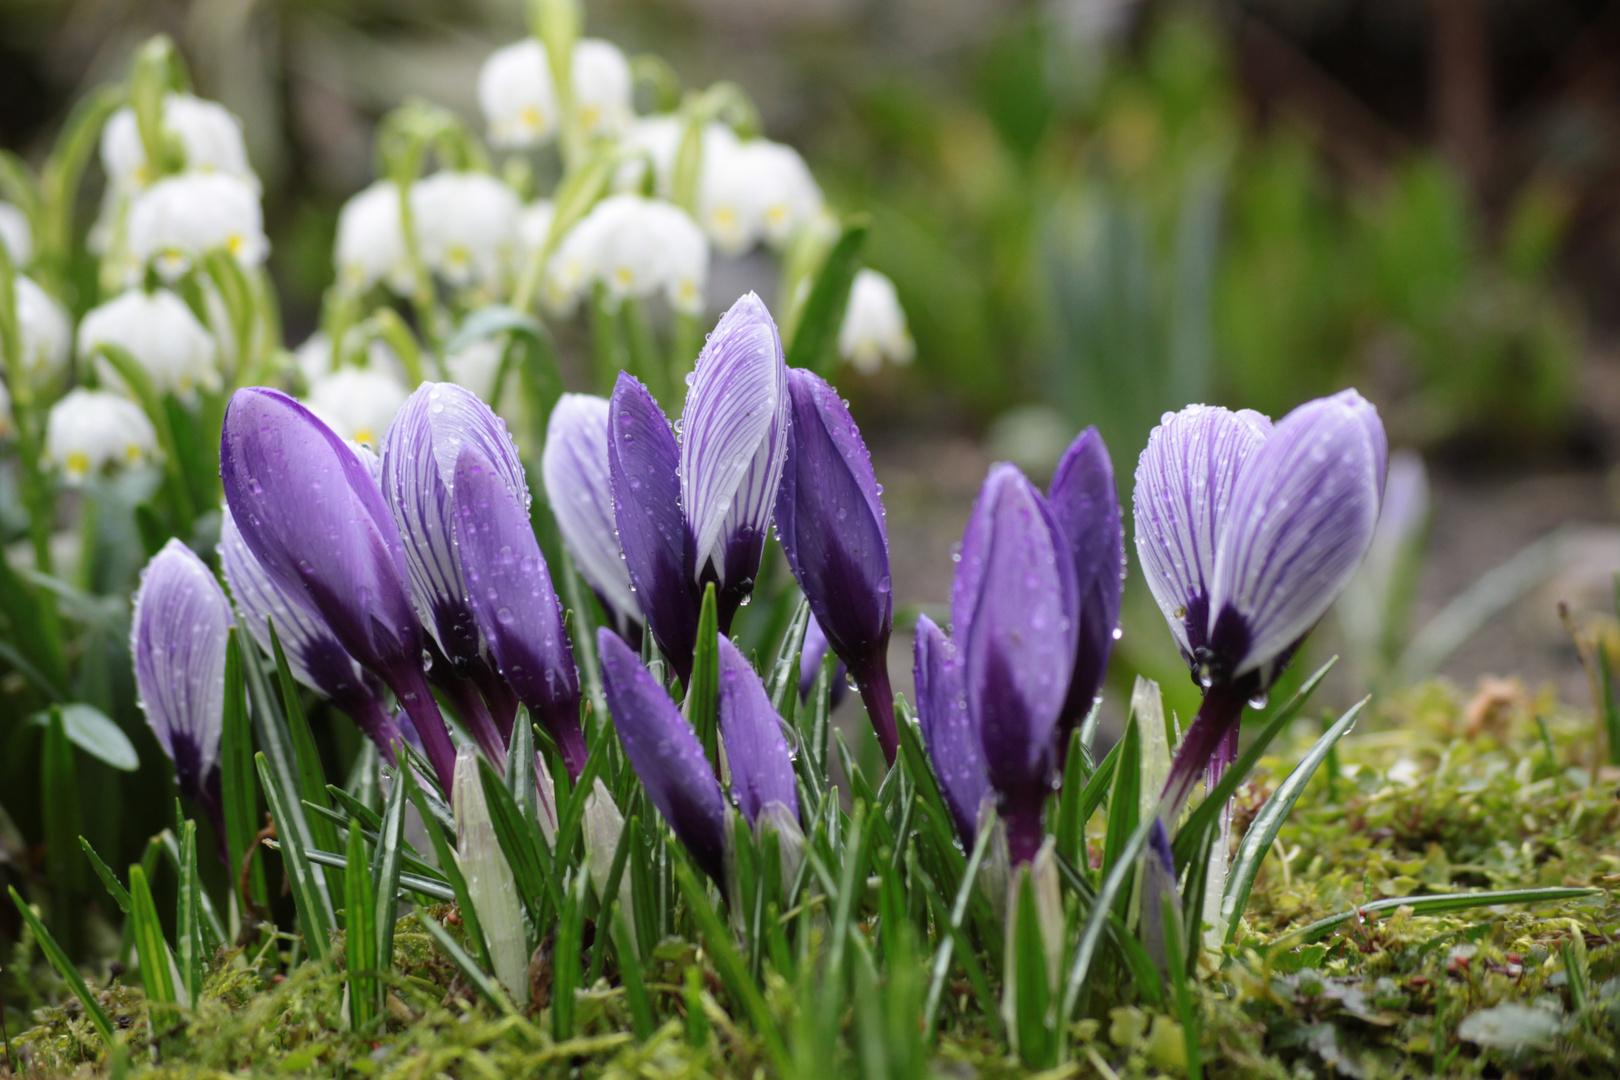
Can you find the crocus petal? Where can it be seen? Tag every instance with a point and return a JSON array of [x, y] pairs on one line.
[[1085, 504], [579, 485], [1302, 516], [733, 444], [311, 513], [314, 656], [830, 521], [1184, 484], [947, 729], [644, 464], [811, 654], [419, 456], [665, 753], [1015, 631], [178, 635], [512, 598], [761, 768]]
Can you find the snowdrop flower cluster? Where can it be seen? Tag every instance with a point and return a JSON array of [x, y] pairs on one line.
[[874, 327], [371, 241], [179, 219], [357, 403], [210, 139], [46, 333], [518, 94], [176, 351], [92, 430], [16, 234], [314, 358], [636, 247], [468, 232]]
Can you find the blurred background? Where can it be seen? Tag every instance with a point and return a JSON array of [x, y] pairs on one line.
[[1094, 211]]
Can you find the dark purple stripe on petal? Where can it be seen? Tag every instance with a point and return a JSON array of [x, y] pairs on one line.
[[761, 769], [666, 755], [644, 463]]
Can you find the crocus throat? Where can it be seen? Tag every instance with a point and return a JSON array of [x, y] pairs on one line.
[[410, 686]]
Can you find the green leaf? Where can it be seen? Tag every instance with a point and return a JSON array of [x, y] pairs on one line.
[[238, 786], [783, 684], [1124, 802], [140, 387], [386, 876], [408, 883], [451, 869], [314, 919], [61, 810], [1035, 1037], [565, 968], [1085, 951], [703, 696], [64, 967], [815, 335], [955, 938], [92, 731], [1176, 960], [188, 915], [311, 778], [157, 963], [1262, 832], [524, 848], [1206, 815], [115, 889], [1443, 904], [360, 934]]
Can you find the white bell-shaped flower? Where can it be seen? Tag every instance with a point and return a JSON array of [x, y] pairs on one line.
[[43, 325], [874, 327], [466, 227], [371, 241], [636, 247], [210, 140], [517, 95], [182, 217], [752, 191], [92, 430], [653, 140], [357, 403], [16, 235], [160, 332], [602, 86], [314, 358]]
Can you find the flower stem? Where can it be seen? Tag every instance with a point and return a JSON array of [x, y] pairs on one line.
[[878, 697], [1024, 829], [410, 686], [1217, 720]]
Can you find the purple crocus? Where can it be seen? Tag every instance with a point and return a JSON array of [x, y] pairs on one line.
[[1247, 533], [314, 655], [811, 654], [579, 485], [948, 730], [515, 606], [178, 637], [309, 509], [695, 512], [666, 754], [761, 768], [1085, 504], [829, 519]]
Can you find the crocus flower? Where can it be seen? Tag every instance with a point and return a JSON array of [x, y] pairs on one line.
[[829, 519], [418, 478], [178, 636], [314, 655], [1085, 504], [948, 731], [512, 598], [579, 486], [666, 754], [693, 513], [761, 768], [811, 654], [312, 514], [1247, 533]]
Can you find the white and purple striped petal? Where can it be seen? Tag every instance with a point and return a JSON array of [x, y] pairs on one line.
[[666, 755], [947, 729], [761, 768], [178, 637], [644, 464], [579, 486], [1184, 485], [733, 443], [1301, 517], [513, 602]]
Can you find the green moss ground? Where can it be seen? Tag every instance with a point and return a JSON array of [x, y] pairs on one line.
[[1439, 791]]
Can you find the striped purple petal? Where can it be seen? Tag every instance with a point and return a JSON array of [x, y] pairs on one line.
[[509, 589], [733, 442], [947, 729], [761, 768], [579, 485], [1301, 517], [1184, 485], [644, 464], [1085, 504], [666, 755], [178, 635]]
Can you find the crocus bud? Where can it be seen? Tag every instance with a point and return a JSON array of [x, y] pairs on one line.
[[490, 885], [761, 768], [733, 445], [178, 636], [312, 514], [948, 730], [811, 654], [1279, 520], [1012, 608], [1085, 505], [314, 655], [644, 465], [579, 485], [512, 598], [666, 755], [829, 519]]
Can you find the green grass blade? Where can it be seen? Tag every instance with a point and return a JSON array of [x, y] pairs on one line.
[[1269, 821], [116, 890], [360, 933], [487, 987], [386, 874], [1176, 960], [60, 783], [311, 778], [565, 967], [1443, 904], [1097, 921], [157, 963], [703, 696], [64, 967], [238, 787], [314, 917], [783, 684], [188, 915], [1036, 1040], [451, 869], [1124, 800], [523, 847], [816, 329]]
